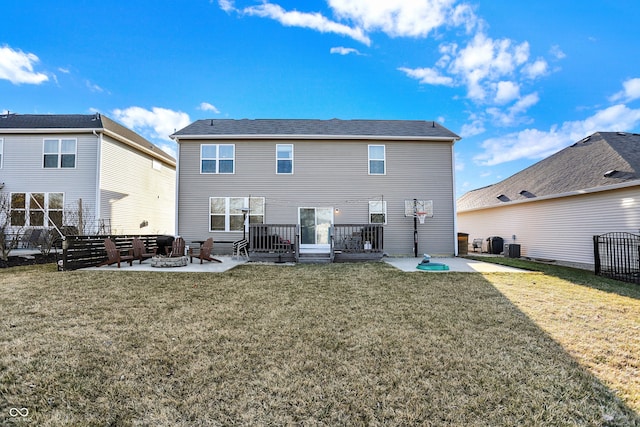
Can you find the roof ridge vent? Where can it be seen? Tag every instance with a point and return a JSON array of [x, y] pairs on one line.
[[586, 139], [622, 134]]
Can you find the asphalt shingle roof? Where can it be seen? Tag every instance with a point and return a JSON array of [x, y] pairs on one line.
[[77, 121], [305, 127], [604, 158]]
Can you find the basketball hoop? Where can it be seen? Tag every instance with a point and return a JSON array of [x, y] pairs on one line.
[[421, 216]]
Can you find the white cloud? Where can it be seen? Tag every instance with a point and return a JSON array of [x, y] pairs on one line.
[[630, 91], [536, 69], [427, 76], [484, 61], [314, 21], [17, 67], [226, 5], [93, 87], [476, 127], [205, 106], [514, 114], [536, 144], [340, 50], [157, 123], [402, 18], [506, 92], [556, 52]]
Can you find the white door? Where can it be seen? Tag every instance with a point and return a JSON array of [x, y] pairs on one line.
[[314, 229]]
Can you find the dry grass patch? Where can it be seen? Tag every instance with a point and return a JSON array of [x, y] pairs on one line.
[[347, 344]]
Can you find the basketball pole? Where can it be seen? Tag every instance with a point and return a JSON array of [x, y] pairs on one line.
[[415, 228]]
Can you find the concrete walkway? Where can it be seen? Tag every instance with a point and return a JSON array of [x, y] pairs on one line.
[[455, 265], [227, 263]]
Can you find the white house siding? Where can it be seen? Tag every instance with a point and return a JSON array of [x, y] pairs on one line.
[[132, 191], [561, 228], [327, 174], [23, 172]]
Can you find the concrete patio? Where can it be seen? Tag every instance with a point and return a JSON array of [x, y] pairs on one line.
[[455, 265]]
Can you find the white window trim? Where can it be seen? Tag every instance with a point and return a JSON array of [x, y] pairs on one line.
[[278, 159], [60, 153], [384, 211], [218, 159], [1, 152], [28, 208], [384, 159], [227, 215]]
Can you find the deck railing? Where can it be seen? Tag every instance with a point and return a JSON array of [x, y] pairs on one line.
[[357, 238], [279, 238]]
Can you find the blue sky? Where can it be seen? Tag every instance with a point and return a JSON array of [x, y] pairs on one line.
[[517, 80]]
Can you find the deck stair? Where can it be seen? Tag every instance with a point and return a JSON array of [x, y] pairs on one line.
[[315, 258]]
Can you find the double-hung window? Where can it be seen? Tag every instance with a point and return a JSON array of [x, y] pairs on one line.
[[228, 213], [377, 212], [284, 159], [37, 209], [217, 158], [59, 153], [377, 160]]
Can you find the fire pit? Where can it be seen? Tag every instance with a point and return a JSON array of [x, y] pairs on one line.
[[168, 262]]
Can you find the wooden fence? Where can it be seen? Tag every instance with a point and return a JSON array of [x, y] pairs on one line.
[[88, 251]]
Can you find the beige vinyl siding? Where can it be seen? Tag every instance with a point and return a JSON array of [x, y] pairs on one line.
[[327, 174], [23, 169], [559, 229], [132, 191]]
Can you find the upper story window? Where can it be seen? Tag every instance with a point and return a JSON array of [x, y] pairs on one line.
[[377, 212], [217, 158], [377, 160], [284, 158], [1, 151], [59, 153]]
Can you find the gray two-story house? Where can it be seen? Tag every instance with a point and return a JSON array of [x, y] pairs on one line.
[[335, 187], [66, 169]]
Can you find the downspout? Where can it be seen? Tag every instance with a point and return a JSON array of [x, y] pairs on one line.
[[98, 179], [177, 193], [455, 212]]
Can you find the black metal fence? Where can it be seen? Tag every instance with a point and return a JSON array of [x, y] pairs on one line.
[[617, 255]]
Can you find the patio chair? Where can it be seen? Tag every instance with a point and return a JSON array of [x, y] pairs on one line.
[[140, 250], [114, 256], [240, 247], [177, 247], [205, 252]]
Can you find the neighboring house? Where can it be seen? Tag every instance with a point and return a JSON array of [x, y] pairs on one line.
[[555, 207], [52, 164], [317, 175]]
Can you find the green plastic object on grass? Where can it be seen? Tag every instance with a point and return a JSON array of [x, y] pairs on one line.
[[432, 266], [426, 264]]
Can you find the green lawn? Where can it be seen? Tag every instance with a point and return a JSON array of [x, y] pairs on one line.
[[342, 344]]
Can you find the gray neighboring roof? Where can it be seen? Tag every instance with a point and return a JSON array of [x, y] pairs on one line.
[[601, 159], [316, 128], [79, 122]]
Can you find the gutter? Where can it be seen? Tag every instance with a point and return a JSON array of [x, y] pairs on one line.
[[320, 137]]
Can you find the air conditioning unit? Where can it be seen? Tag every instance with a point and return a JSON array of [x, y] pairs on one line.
[[511, 250]]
